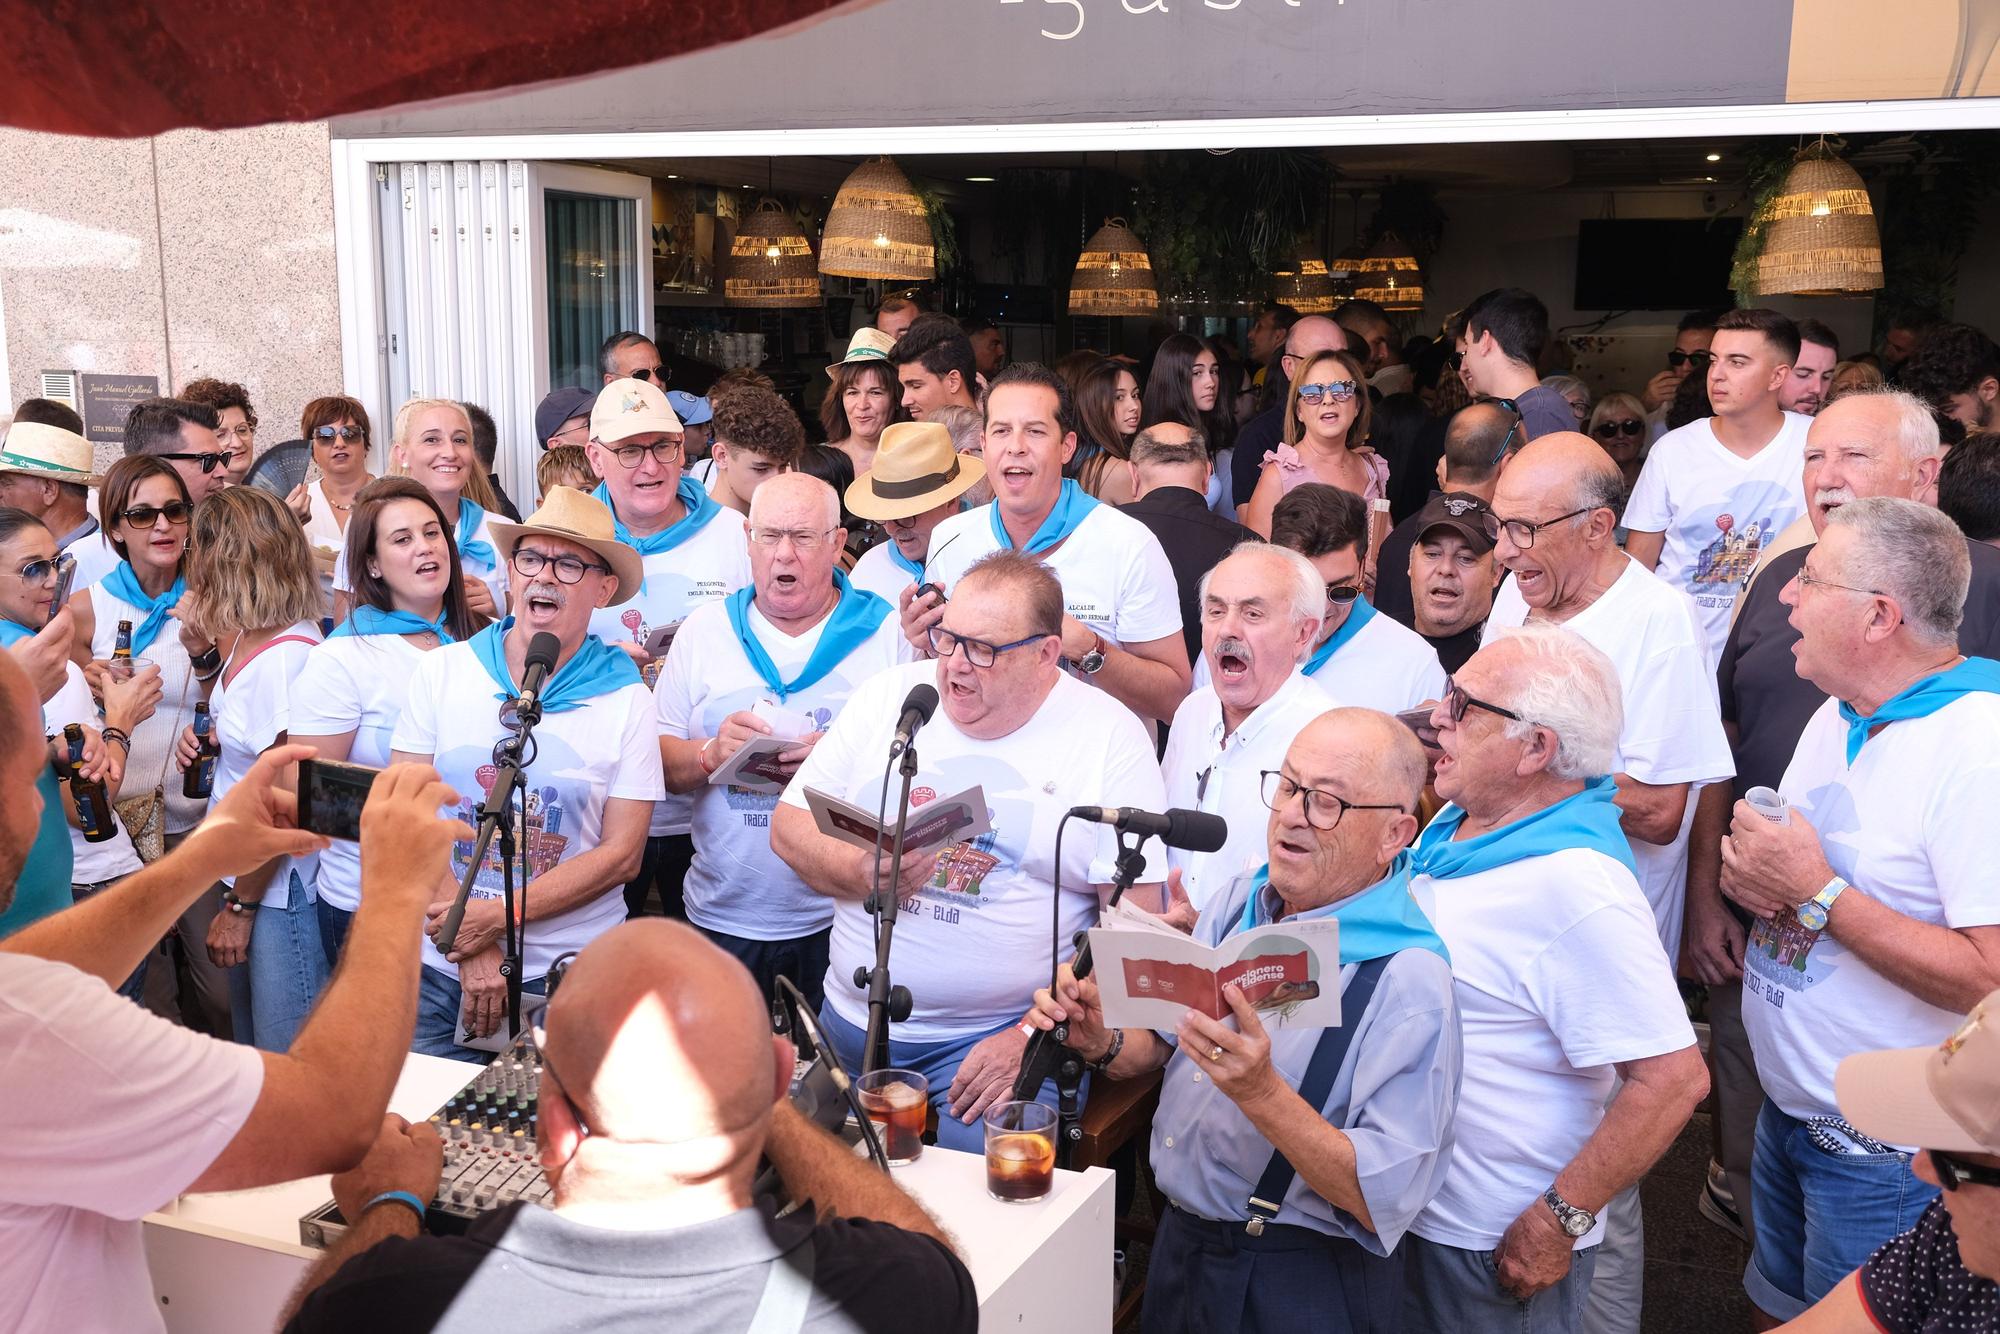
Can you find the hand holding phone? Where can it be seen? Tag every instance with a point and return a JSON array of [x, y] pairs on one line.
[[331, 795]]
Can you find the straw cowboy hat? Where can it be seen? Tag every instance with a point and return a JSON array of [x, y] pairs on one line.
[[868, 344], [575, 517], [36, 449], [916, 469]]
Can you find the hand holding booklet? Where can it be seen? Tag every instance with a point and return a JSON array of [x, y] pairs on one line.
[[1150, 974], [934, 825], [755, 767]]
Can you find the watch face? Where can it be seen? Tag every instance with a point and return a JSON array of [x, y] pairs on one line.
[[1577, 1223]]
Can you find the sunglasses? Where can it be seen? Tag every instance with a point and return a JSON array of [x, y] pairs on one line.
[[659, 375], [1954, 1172], [1611, 430], [1508, 438], [1341, 594], [176, 512], [344, 432], [1698, 360], [209, 462], [1339, 391], [1457, 703], [35, 571]]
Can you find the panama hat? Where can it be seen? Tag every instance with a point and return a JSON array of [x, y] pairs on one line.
[[36, 449], [583, 519], [868, 344], [916, 469]]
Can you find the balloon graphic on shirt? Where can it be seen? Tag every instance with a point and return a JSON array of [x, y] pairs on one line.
[[486, 774], [633, 620], [1725, 521]]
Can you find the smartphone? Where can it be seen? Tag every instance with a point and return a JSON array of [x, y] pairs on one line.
[[661, 640], [331, 795], [65, 576], [1419, 721]]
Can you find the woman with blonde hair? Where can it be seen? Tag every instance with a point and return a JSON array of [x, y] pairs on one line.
[[432, 443], [251, 589], [1849, 376], [1326, 422], [1618, 424]]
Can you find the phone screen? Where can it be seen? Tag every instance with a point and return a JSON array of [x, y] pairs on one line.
[[331, 795], [65, 575]]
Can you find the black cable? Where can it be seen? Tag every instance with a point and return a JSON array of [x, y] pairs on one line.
[[1055, 910], [802, 1016], [875, 891]]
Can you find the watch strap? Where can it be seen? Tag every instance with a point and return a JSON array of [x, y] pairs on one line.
[[1566, 1212]]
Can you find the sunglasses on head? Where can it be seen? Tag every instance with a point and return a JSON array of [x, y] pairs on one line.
[[1607, 430], [1697, 358]]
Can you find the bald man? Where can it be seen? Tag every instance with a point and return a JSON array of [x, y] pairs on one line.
[[662, 1086], [1307, 338], [1170, 469]]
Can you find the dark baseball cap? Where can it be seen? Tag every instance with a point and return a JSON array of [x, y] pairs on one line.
[[1460, 511], [559, 407]]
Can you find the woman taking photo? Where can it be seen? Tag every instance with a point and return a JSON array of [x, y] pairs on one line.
[[1102, 445], [409, 598], [337, 429], [1326, 422], [432, 444], [252, 588], [862, 399]]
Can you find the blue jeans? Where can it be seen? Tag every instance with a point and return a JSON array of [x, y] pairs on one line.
[[802, 959], [333, 925], [1450, 1290], [938, 1063], [1820, 1214], [134, 987], [287, 968], [439, 1002]]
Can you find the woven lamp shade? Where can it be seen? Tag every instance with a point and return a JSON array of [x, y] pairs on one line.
[[1822, 239], [877, 228], [770, 263], [1389, 276], [1305, 284], [1114, 275]]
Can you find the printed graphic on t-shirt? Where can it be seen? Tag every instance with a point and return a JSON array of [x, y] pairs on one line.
[[1783, 956], [668, 589], [1742, 524], [959, 882], [550, 826]]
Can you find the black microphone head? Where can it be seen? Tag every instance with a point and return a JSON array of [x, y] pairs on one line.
[[1196, 831], [922, 701], [544, 648]]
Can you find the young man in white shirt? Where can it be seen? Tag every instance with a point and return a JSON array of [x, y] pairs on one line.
[[1121, 624], [1361, 657], [1878, 916], [112, 1111], [1715, 491], [589, 789], [914, 486], [1261, 609], [1580, 1064], [796, 642], [973, 936], [693, 552]]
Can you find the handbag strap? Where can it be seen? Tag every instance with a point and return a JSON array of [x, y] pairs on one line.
[[1269, 1196]]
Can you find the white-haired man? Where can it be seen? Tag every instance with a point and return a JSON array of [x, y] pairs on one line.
[[1528, 876], [1261, 607], [1878, 917]]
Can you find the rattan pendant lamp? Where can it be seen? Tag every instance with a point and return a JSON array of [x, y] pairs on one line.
[[1821, 238], [1305, 284], [1389, 276], [771, 264], [1114, 275], [877, 228]]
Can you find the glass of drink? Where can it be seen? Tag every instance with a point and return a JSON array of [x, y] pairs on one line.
[[897, 1101], [124, 669], [1020, 1151]]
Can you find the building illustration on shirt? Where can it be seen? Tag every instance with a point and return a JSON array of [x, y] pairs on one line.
[[1724, 566], [546, 834]]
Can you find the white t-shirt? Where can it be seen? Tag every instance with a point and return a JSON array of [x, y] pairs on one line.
[[353, 683], [1910, 825], [93, 863], [1673, 724], [323, 528], [153, 741], [607, 748], [252, 704], [736, 884], [1386, 666], [493, 575], [1560, 976], [110, 1113], [1231, 789], [95, 558], [973, 948], [878, 572], [1717, 512], [1115, 576], [709, 566]]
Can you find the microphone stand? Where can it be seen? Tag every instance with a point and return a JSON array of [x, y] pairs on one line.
[[886, 1003]]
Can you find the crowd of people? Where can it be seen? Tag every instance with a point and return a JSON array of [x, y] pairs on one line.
[[1549, 700]]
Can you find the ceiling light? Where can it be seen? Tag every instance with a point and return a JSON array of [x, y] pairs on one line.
[[980, 180], [1715, 157]]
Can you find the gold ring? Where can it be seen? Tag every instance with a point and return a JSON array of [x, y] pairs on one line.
[[1215, 1052]]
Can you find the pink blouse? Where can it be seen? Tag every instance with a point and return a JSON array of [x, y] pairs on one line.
[[1293, 471]]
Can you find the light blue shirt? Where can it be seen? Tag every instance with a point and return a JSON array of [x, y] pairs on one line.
[[1394, 1096]]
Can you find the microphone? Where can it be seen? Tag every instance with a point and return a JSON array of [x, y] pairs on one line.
[[918, 706], [1196, 831], [543, 650]]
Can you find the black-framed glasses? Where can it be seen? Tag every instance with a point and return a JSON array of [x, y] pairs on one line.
[[39, 571], [658, 375], [1697, 359], [175, 512], [1521, 532], [1807, 579], [1338, 391], [209, 461], [663, 452], [978, 652], [349, 433], [1608, 430], [1323, 808], [1953, 1171], [1341, 594], [1454, 361], [1457, 702], [803, 539], [569, 569]]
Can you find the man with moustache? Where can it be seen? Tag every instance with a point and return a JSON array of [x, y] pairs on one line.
[[1260, 612], [1453, 574], [915, 485]]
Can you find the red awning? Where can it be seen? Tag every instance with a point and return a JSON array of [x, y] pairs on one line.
[[129, 67]]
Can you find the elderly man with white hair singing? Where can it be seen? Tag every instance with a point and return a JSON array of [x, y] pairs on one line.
[[1580, 1065], [1877, 913]]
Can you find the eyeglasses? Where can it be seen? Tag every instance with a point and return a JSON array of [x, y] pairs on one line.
[[1696, 360], [1631, 426], [1342, 594], [242, 431], [978, 652], [663, 451], [803, 539], [659, 375], [1323, 809], [209, 462], [1454, 361], [1457, 703], [37, 571], [1339, 391], [1807, 579], [1953, 1172], [1520, 531], [344, 432], [568, 569], [175, 512]]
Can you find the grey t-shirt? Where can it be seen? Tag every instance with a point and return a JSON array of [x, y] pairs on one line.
[[1545, 412]]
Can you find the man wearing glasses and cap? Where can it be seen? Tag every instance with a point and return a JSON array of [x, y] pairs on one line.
[[914, 486], [590, 787], [693, 552]]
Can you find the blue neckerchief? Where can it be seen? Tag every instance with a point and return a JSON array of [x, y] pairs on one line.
[[1586, 819], [700, 506], [470, 516], [912, 568], [367, 620], [1358, 615], [1971, 677], [123, 584], [856, 616], [1375, 923], [13, 632], [1073, 505], [596, 669]]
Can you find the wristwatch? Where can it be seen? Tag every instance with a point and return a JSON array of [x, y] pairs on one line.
[[1813, 912], [1575, 1222], [1091, 662]]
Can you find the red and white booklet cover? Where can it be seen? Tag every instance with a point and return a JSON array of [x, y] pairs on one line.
[[1150, 974], [959, 818]]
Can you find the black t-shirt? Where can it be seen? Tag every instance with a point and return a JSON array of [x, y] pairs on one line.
[[1393, 597], [524, 1268], [1916, 1284], [1453, 650], [1260, 435]]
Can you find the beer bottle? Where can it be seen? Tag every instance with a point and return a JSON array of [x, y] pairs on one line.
[[121, 651], [199, 779], [93, 803]]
